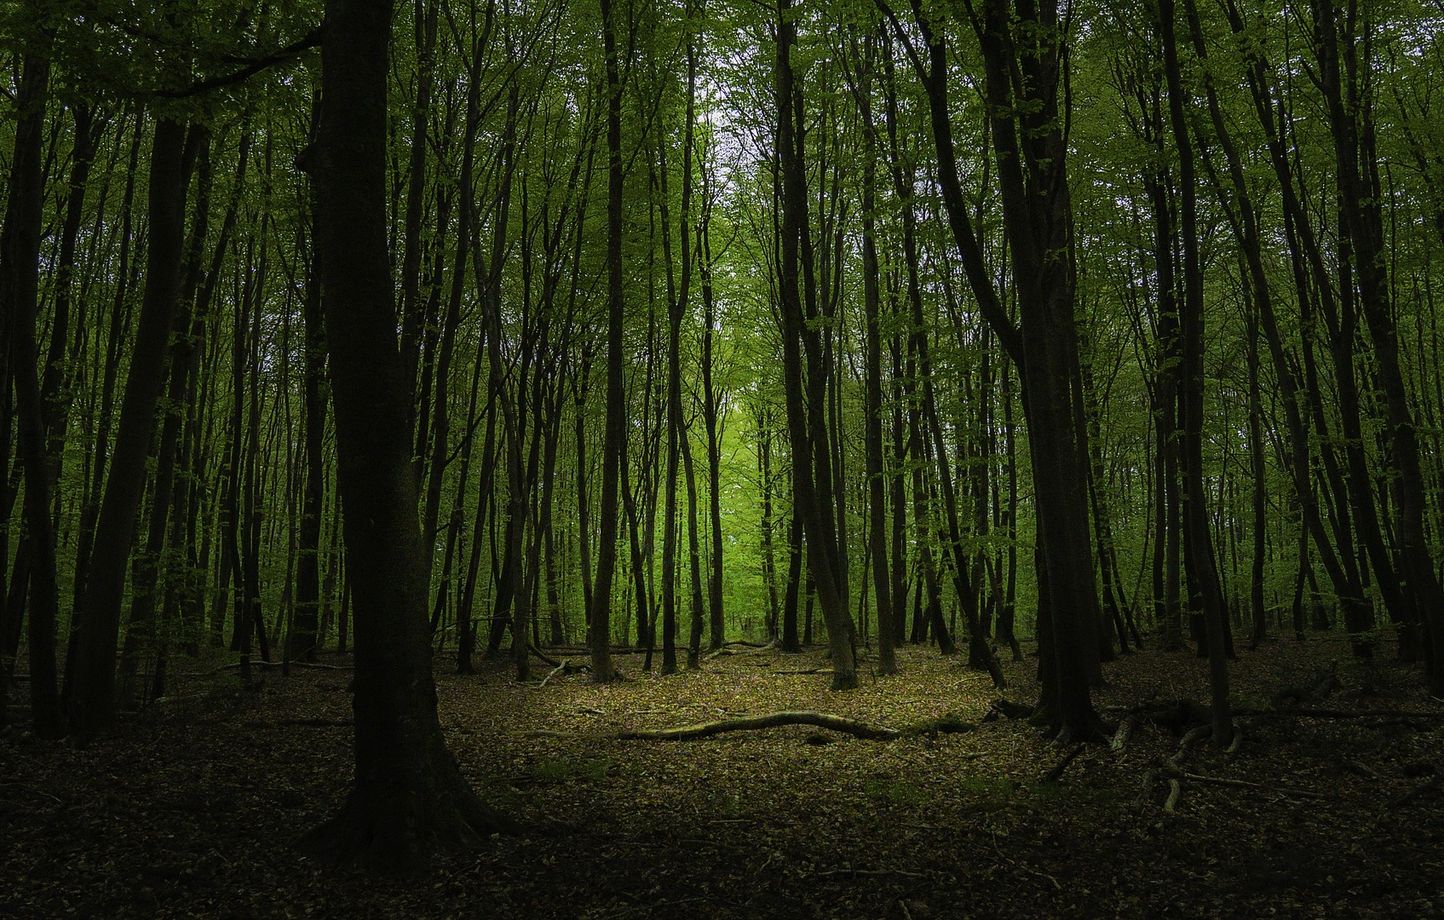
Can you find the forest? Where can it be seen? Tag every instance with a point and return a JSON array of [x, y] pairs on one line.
[[730, 458]]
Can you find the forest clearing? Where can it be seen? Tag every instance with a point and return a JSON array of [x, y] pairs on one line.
[[197, 807]]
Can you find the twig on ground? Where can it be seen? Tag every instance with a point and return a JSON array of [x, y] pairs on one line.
[[1179, 773], [827, 873]]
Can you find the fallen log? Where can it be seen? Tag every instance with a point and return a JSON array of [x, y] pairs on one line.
[[1319, 687], [943, 725], [748, 648]]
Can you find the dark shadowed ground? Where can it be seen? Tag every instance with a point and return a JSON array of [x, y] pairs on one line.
[[192, 809]]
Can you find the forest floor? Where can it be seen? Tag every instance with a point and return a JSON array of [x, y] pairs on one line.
[[191, 808]]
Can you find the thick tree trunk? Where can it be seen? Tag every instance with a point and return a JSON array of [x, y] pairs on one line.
[[1030, 151], [409, 797]]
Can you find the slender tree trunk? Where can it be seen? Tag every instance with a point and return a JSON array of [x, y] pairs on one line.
[[812, 462], [599, 615], [91, 678], [1200, 540], [872, 408], [19, 304]]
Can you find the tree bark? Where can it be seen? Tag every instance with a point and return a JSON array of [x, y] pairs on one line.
[[409, 798], [19, 304], [90, 700]]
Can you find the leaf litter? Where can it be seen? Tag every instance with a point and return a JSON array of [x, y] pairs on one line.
[[192, 807]]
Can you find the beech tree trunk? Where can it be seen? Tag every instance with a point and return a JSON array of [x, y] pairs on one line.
[[812, 462], [19, 280], [409, 798], [90, 679], [599, 616]]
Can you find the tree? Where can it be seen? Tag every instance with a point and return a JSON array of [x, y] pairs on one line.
[[409, 797], [599, 613]]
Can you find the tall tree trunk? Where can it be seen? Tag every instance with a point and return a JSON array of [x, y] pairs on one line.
[[1345, 80], [599, 616], [409, 797], [19, 304], [303, 640], [1030, 150], [141, 636], [1200, 541], [90, 700], [811, 446], [872, 397]]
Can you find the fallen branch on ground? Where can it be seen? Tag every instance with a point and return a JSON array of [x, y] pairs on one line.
[[543, 656], [883, 873], [854, 727], [563, 667], [1179, 773], [236, 665], [301, 723]]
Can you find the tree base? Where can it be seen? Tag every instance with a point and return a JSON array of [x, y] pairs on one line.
[[398, 830]]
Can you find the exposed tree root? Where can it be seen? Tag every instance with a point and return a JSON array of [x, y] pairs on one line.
[[1175, 789], [399, 831], [1146, 793], [1056, 773], [1124, 732], [943, 725]]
